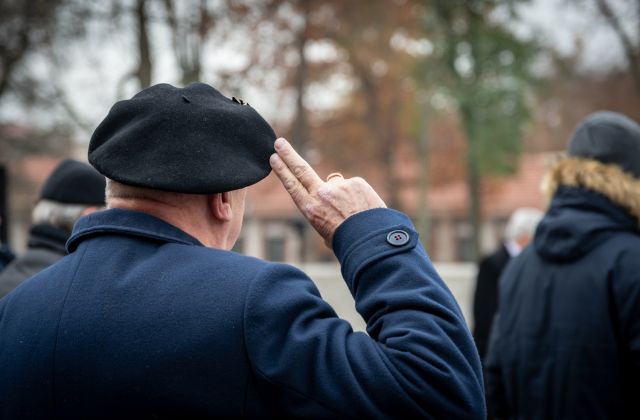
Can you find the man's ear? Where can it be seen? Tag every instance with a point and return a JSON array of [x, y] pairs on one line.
[[220, 204]]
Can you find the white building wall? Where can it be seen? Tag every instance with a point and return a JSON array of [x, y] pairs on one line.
[[459, 277]]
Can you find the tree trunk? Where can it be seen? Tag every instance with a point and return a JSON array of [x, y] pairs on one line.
[[9, 62], [473, 181], [423, 180], [300, 129], [143, 73], [187, 39], [382, 136], [631, 52], [388, 154]]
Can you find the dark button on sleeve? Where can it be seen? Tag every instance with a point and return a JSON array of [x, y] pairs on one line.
[[398, 237]]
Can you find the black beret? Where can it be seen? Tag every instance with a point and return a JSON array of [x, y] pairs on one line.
[[610, 138], [188, 140], [74, 182]]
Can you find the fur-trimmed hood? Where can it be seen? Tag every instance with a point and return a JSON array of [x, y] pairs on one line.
[[591, 202], [606, 179]]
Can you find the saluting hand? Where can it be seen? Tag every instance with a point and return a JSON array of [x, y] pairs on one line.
[[325, 204]]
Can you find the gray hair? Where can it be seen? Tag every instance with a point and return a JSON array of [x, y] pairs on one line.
[[115, 189], [57, 214], [522, 222]]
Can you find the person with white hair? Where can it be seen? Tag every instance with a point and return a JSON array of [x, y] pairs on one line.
[[73, 190], [518, 233]]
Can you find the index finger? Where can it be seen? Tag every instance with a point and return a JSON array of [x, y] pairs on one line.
[[297, 192], [298, 166]]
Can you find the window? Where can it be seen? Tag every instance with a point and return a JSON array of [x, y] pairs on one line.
[[275, 248], [464, 240], [239, 246], [464, 249]]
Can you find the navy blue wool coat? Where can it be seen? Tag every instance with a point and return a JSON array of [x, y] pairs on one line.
[[141, 320]]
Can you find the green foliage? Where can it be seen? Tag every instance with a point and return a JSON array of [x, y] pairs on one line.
[[486, 72]]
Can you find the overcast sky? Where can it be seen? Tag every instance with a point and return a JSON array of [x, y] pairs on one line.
[[558, 23], [93, 73]]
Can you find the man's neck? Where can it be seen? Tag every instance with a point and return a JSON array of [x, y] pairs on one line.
[[190, 216]]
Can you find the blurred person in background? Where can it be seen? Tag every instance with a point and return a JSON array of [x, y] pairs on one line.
[[566, 340], [6, 255], [519, 231], [73, 189], [152, 316]]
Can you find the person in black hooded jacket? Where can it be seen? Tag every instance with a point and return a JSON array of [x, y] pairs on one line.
[[566, 341]]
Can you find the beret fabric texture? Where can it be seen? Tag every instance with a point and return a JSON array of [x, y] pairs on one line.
[[608, 137], [73, 182], [187, 140]]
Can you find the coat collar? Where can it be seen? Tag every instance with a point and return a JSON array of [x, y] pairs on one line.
[[608, 180], [127, 222]]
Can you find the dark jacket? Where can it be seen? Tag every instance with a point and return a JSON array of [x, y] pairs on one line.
[[6, 256], [566, 343], [141, 320], [45, 246], [485, 299]]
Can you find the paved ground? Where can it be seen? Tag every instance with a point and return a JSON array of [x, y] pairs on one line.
[[459, 277]]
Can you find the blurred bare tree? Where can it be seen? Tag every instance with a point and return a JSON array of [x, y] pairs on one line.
[[190, 28], [144, 68], [487, 72], [25, 25], [387, 89], [630, 44]]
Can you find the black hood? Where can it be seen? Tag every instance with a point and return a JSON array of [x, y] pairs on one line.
[[577, 221]]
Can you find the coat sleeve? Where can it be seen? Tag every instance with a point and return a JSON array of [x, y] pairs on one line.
[[418, 358]]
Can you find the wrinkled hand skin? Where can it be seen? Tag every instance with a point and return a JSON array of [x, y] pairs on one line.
[[324, 204]]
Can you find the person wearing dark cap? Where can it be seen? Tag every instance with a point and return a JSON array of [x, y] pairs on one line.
[[566, 342], [152, 316], [73, 189]]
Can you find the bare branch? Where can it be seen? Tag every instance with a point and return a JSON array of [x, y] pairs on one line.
[[631, 52], [143, 72]]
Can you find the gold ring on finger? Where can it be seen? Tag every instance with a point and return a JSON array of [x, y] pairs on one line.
[[334, 175]]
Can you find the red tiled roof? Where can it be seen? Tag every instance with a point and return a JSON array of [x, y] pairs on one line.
[[36, 169], [13, 130], [269, 199], [501, 195]]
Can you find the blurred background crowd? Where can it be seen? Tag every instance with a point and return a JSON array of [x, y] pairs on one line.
[[451, 109]]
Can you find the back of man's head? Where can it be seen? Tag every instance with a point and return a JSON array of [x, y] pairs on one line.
[[522, 223], [71, 189]]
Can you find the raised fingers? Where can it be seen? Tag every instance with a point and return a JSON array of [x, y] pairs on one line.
[[298, 166], [298, 193]]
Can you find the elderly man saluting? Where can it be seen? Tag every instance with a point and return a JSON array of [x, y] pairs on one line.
[[151, 315]]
